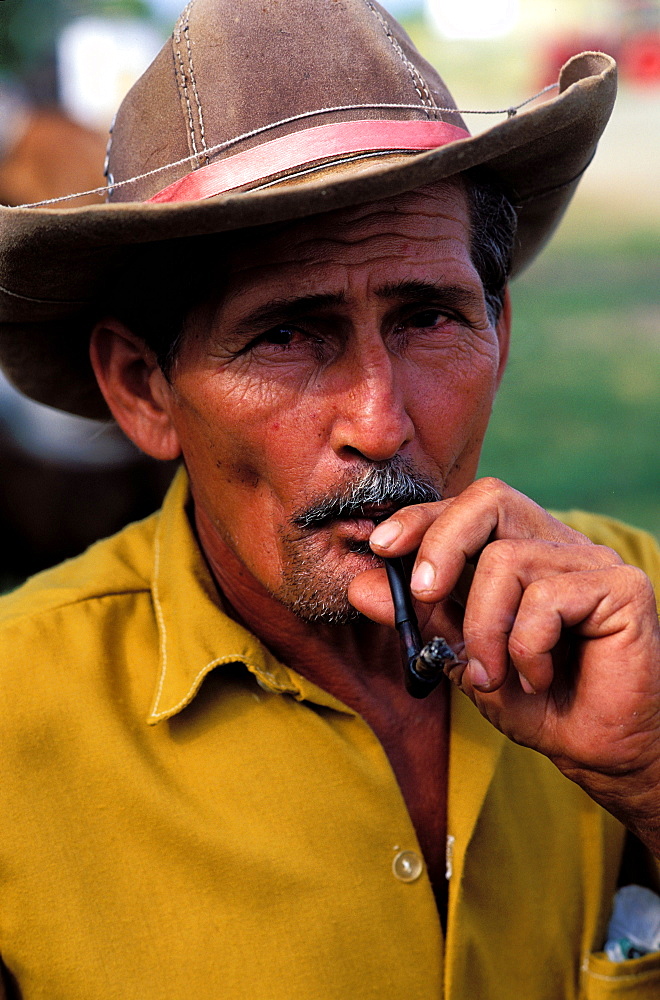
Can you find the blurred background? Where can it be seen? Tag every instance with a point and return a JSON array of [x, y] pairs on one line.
[[577, 422]]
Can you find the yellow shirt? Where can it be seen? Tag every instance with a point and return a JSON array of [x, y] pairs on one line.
[[183, 816]]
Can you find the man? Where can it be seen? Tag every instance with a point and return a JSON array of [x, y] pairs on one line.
[[321, 340]]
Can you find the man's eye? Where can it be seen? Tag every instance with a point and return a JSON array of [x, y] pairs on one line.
[[301, 338], [427, 318], [282, 335], [287, 339]]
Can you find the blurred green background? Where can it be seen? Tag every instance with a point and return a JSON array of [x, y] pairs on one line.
[[577, 421]]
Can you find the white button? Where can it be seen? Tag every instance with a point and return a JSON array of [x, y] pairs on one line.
[[407, 866]]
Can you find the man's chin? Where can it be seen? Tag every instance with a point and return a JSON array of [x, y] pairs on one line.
[[323, 614], [315, 586]]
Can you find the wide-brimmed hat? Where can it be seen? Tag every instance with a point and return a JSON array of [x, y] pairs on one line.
[[260, 111]]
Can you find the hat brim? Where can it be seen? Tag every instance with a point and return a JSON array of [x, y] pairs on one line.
[[52, 261]]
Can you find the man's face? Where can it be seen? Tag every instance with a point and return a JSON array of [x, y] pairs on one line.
[[350, 345]]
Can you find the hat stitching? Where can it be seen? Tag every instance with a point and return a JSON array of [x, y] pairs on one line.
[[418, 80], [186, 32], [182, 86], [265, 128]]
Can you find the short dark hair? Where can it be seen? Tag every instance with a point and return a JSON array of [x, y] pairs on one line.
[[494, 221], [157, 284]]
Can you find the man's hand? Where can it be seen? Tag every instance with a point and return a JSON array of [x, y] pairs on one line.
[[561, 637]]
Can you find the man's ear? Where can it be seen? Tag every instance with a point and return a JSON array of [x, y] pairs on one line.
[[134, 388], [503, 328]]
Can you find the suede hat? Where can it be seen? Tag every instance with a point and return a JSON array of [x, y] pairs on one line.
[[260, 111]]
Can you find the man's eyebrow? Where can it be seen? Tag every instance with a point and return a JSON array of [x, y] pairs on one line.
[[277, 310], [288, 309], [456, 296]]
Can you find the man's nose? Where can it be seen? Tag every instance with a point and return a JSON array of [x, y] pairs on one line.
[[371, 416]]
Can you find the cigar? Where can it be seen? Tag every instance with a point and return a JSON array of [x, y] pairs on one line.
[[423, 665]]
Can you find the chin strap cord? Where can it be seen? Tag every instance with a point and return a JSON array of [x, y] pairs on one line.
[[114, 185]]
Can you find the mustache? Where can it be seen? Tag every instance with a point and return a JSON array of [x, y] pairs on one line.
[[389, 487]]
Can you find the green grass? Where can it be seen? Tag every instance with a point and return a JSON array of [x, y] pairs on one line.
[[577, 421]]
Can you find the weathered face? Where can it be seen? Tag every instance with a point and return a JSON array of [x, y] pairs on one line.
[[342, 344]]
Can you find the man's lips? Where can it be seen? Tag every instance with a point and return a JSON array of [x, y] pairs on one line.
[[371, 513], [358, 527], [378, 512]]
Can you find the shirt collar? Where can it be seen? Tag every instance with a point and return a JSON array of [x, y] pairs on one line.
[[195, 634]]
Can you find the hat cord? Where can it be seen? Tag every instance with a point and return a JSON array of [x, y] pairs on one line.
[[113, 185]]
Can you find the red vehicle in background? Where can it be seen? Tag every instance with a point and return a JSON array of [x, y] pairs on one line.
[[633, 38]]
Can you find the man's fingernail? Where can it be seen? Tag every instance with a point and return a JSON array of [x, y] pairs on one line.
[[423, 578], [525, 685], [478, 676], [385, 534]]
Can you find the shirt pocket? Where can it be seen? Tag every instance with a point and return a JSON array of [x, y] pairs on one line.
[[635, 979]]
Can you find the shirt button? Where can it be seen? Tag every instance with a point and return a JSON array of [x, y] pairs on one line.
[[407, 866]]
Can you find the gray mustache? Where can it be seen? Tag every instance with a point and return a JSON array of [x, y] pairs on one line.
[[392, 486]]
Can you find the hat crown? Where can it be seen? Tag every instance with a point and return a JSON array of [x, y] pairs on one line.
[[234, 69]]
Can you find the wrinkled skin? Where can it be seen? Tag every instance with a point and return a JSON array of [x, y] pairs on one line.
[[343, 342]]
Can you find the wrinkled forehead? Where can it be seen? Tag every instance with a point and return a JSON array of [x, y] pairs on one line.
[[189, 261], [424, 219], [415, 210]]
